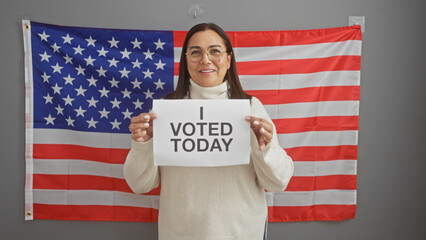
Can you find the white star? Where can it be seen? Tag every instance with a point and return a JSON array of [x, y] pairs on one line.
[[124, 73], [115, 124], [68, 59], [148, 94], [50, 120], [59, 109], [113, 62], [48, 99], [101, 72], [55, 47], [67, 39], [80, 70], [126, 93], [78, 50], [68, 80], [57, 89], [57, 68], [104, 92], [136, 84], [113, 43], [136, 64], [44, 57], [113, 82], [45, 77], [147, 74], [80, 91], [138, 104], [92, 102], [90, 41], [68, 100], [80, 112], [115, 103], [43, 36], [136, 44], [159, 44], [89, 60], [92, 81], [125, 53], [92, 123], [102, 52], [148, 54], [159, 84], [70, 121], [160, 65], [104, 113], [127, 114]]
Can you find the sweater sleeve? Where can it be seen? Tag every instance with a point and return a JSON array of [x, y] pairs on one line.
[[273, 166], [139, 170]]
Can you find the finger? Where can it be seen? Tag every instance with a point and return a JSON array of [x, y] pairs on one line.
[[143, 117], [138, 126], [267, 136]]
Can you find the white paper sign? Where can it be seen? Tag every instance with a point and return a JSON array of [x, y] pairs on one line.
[[201, 132]]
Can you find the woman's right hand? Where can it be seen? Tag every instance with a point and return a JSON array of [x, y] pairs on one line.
[[141, 126]]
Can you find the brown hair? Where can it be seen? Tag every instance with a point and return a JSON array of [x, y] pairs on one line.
[[235, 90]]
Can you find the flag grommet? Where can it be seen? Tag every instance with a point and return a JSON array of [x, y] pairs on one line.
[[28, 214]]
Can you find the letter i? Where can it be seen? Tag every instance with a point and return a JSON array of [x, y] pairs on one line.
[[201, 113]]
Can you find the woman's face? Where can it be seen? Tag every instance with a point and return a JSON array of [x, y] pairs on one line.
[[207, 72]]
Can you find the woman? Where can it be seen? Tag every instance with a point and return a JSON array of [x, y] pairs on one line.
[[210, 202]]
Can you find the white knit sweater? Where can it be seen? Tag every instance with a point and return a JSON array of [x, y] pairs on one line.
[[216, 203]]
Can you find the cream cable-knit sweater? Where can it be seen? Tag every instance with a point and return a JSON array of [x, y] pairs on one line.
[[214, 203]]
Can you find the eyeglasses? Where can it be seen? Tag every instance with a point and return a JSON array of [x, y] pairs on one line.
[[195, 55]]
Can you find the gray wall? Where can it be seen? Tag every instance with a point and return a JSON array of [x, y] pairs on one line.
[[391, 184]]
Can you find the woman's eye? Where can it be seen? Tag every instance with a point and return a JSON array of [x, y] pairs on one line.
[[214, 51], [195, 53]]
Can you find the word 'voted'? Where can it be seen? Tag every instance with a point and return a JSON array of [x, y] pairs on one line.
[[201, 132]]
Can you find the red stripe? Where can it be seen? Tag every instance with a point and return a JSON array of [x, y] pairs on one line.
[[64, 151], [311, 213], [295, 66], [337, 123], [83, 182], [79, 182], [311, 94], [323, 153], [94, 213], [281, 38], [123, 213], [176, 69], [344, 182]]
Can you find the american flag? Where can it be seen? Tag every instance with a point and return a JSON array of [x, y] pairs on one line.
[[84, 84]]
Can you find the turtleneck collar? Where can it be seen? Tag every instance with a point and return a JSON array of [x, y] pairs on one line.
[[217, 92]]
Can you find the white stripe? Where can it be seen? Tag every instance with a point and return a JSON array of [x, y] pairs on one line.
[[318, 138], [109, 198], [295, 81], [317, 50], [313, 109], [309, 198], [89, 139], [324, 168], [94, 197], [82, 167], [79, 167]]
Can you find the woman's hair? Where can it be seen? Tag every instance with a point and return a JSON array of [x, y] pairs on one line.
[[235, 90]]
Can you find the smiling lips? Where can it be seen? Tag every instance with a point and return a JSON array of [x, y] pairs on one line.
[[207, 70]]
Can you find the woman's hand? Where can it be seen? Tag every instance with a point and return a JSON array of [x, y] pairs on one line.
[[141, 126], [262, 129]]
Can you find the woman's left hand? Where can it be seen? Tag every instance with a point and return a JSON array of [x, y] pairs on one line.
[[262, 129]]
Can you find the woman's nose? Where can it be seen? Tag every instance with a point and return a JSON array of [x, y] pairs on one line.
[[205, 58]]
